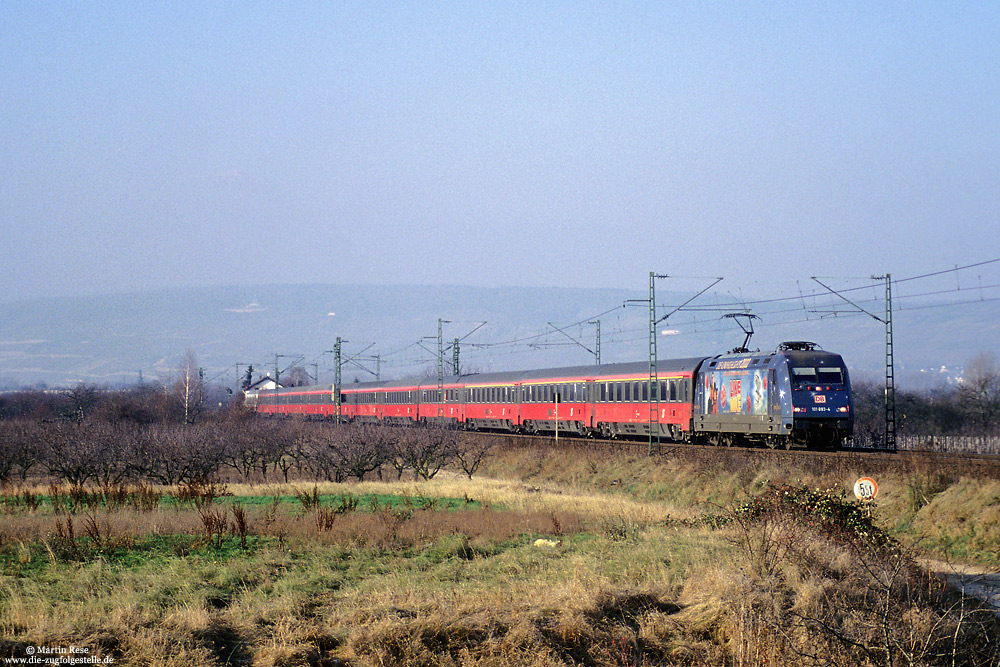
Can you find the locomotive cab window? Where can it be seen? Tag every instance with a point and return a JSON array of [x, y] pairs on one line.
[[821, 375], [830, 375]]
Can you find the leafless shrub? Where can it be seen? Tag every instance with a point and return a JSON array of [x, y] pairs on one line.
[[201, 494], [67, 535], [325, 518], [215, 525], [822, 583], [145, 498], [240, 524], [309, 501]]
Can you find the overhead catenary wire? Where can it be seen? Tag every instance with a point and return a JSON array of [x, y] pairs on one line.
[[623, 334]]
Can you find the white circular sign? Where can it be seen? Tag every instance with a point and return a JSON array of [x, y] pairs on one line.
[[865, 488]]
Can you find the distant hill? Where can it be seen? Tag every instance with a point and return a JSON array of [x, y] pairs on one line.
[[113, 339]]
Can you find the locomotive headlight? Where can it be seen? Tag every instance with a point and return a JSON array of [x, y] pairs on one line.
[[844, 409]]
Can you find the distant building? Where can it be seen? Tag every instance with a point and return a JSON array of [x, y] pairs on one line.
[[264, 384]]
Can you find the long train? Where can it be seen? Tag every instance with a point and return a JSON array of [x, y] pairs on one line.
[[797, 396]]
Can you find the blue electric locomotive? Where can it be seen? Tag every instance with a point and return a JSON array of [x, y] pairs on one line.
[[798, 395]]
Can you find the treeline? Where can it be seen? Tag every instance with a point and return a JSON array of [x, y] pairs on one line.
[[236, 447], [970, 410], [148, 435]]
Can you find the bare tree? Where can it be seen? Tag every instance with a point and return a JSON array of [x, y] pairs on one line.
[[108, 445], [297, 376], [20, 447], [67, 452], [190, 388], [980, 392], [179, 453], [425, 451], [82, 398], [320, 456], [471, 451], [363, 448]]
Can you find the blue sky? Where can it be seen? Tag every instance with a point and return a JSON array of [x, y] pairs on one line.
[[571, 144]]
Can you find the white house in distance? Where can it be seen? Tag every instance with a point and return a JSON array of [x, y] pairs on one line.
[[264, 384]]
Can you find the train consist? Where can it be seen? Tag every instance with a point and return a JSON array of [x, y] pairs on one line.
[[797, 396]]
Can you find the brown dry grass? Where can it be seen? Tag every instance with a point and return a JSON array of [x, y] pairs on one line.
[[410, 586]]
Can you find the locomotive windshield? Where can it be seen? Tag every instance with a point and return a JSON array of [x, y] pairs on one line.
[[817, 375]]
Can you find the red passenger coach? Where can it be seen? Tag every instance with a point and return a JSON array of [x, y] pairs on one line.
[[607, 400]]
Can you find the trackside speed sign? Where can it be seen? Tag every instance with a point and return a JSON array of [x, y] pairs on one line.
[[865, 488]]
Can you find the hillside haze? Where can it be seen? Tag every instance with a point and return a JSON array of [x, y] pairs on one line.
[[117, 339]]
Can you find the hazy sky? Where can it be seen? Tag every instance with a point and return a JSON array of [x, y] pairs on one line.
[[152, 144]]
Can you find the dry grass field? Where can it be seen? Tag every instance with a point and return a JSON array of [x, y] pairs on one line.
[[549, 556]]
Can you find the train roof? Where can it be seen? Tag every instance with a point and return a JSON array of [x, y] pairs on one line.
[[568, 374]]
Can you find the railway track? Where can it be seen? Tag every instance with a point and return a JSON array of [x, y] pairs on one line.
[[957, 462]]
